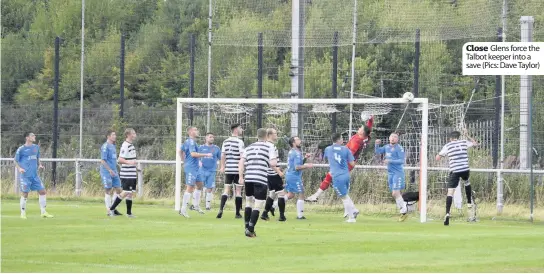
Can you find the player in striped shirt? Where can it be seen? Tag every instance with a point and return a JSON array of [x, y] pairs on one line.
[[275, 182], [231, 152], [253, 170], [129, 171], [457, 152]]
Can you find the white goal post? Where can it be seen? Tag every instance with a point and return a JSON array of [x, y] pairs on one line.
[[184, 104]]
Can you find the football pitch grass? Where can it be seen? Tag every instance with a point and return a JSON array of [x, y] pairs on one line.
[[82, 239]]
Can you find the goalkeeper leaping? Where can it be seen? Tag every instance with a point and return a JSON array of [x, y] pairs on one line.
[[356, 145]]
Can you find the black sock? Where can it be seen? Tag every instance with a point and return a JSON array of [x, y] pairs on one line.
[[449, 200], [223, 201], [253, 220], [247, 216], [268, 205], [468, 192], [238, 203], [281, 206], [129, 206], [115, 203]]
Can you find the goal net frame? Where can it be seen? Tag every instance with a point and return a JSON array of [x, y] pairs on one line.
[[423, 105]]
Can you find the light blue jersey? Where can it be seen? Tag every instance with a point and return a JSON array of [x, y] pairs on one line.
[[293, 177], [190, 163], [339, 158], [27, 158], [109, 155], [394, 154], [209, 164]]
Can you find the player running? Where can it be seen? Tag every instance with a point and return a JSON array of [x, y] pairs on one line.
[[188, 152], [340, 160], [295, 165], [356, 145], [394, 158], [27, 160], [208, 169]]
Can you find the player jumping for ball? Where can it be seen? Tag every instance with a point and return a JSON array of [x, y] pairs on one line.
[[356, 145], [394, 158]]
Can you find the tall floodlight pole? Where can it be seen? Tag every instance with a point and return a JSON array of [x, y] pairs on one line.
[[352, 66], [81, 91], [209, 62], [500, 183]]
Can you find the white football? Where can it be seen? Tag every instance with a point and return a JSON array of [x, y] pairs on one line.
[[408, 96], [364, 116]]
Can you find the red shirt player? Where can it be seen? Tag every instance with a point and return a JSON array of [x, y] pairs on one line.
[[356, 145]]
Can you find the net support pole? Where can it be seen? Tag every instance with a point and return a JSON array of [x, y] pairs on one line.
[[496, 133], [192, 74], [354, 40], [334, 77], [295, 43], [424, 160], [179, 134], [122, 78], [56, 111], [210, 10], [82, 66], [415, 91], [260, 79]]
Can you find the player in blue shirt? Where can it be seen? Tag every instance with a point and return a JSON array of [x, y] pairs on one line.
[[293, 177], [27, 160], [189, 154], [340, 158], [108, 172], [208, 169], [394, 158]]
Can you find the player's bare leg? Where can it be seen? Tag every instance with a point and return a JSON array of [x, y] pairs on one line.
[[196, 197], [224, 197], [185, 203]]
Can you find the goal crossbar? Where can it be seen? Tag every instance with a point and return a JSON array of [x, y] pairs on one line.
[[423, 108]]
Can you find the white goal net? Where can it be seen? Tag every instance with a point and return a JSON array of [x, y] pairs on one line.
[[314, 121]]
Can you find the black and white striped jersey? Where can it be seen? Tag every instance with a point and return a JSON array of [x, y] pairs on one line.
[[128, 152], [258, 156], [457, 153], [271, 171], [232, 150]]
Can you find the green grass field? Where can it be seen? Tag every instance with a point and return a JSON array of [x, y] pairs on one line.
[[82, 239]]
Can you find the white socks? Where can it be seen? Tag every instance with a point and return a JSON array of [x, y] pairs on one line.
[[186, 198], [42, 203], [107, 201], [300, 208], [318, 193], [22, 203], [401, 204], [349, 207], [209, 198], [196, 198]]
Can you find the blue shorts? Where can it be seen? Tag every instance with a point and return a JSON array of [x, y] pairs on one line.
[[293, 184], [192, 177], [396, 181], [31, 184], [109, 181], [208, 177], [341, 184]]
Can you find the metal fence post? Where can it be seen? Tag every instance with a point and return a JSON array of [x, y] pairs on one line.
[[78, 178], [140, 180], [16, 180]]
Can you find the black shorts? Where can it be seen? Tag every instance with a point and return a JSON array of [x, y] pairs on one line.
[[129, 184], [456, 176], [275, 183], [231, 179], [257, 190]]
